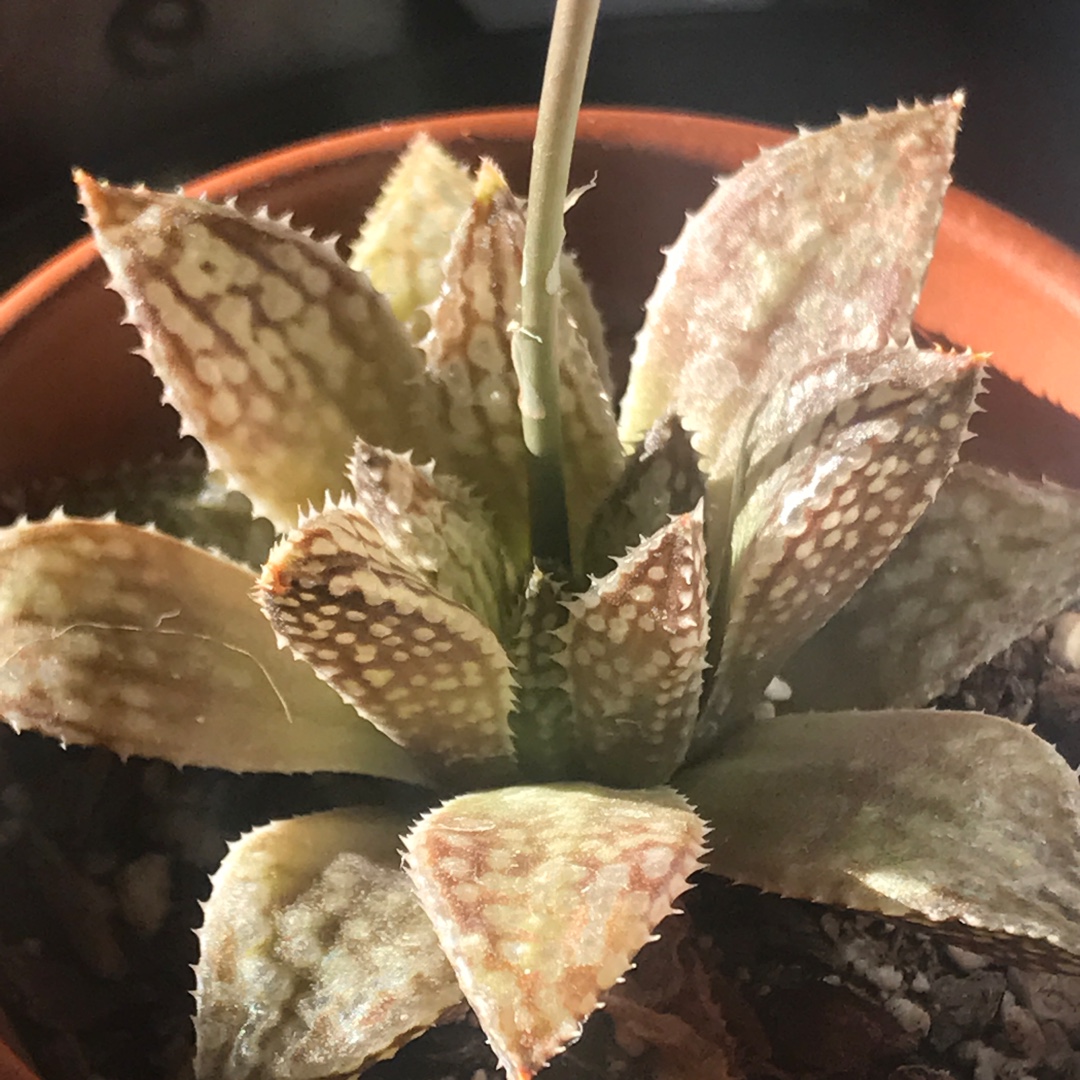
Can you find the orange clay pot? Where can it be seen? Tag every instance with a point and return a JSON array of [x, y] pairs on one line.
[[72, 399]]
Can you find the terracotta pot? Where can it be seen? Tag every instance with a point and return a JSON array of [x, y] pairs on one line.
[[73, 399]]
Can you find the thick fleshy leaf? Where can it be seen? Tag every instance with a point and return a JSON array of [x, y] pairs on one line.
[[660, 478], [864, 443], [434, 525], [542, 720], [541, 896], [174, 494], [116, 636], [469, 359], [406, 235], [955, 818], [821, 242], [635, 654], [275, 353], [586, 319], [316, 957], [993, 558], [422, 668]]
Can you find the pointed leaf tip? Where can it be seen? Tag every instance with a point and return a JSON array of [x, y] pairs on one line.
[[541, 896], [273, 351], [635, 655], [422, 668]]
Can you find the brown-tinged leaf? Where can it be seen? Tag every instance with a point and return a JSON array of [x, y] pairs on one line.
[[821, 242], [661, 477], [434, 524], [855, 473], [993, 558], [121, 637], [275, 353], [634, 656], [406, 235], [542, 720], [941, 817], [316, 957], [468, 355], [469, 359], [542, 895], [422, 668]]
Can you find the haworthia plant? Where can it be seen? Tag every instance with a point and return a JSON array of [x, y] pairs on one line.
[[593, 740]]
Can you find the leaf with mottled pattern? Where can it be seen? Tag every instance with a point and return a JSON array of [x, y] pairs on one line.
[[942, 817], [406, 234], [422, 668], [469, 359], [861, 471], [274, 352], [634, 655], [436, 527], [661, 477], [316, 959], [541, 897], [991, 560], [116, 636], [820, 242], [542, 720]]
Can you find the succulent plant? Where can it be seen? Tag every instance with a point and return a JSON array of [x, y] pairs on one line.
[[780, 493]]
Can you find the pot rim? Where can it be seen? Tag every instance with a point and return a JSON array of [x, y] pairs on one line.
[[1013, 260]]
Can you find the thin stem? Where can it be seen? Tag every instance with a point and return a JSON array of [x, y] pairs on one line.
[[534, 343]]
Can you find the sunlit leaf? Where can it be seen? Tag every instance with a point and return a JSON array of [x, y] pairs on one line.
[[316, 957], [942, 817], [635, 654], [422, 668], [822, 242], [586, 319], [469, 358], [541, 896], [435, 526], [114, 636], [406, 235], [275, 353], [864, 443], [992, 559]]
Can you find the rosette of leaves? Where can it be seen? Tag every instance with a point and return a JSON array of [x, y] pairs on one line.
[[784, 445]]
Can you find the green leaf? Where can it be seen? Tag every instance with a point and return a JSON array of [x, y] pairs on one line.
[[634, 655], [940, 817], [116, 636], [275, 353], [586, 319], [436, 527], [422, 668], [542, 720], [847, 460], [316, 957], [661, 477], [991, 560], [821, 242], [406, 235], [541, 896]]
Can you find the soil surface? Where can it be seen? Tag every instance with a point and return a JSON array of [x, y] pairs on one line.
[[103, 865]]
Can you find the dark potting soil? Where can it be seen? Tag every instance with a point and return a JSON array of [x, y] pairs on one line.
[[103, 865]]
